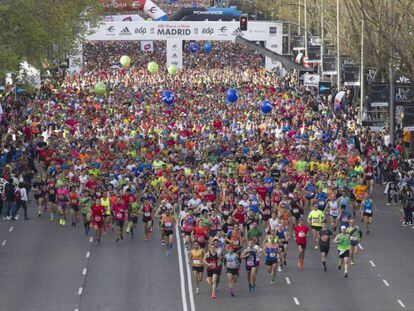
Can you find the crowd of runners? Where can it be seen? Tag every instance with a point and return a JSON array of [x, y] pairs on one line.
[[242, 187]]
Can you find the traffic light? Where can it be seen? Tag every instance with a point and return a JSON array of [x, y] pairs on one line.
[[243, 22]]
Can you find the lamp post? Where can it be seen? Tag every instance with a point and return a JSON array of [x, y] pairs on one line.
[[338, 56]]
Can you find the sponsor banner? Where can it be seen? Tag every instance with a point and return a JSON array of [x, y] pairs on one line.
[[379, 94], [370, 74], [311, 80], [147, 46], [298, 42], [330, 50], [338, 98], [408, 120], [314, 54], [186, 30], [175, 52], [325, 88], [351, 75], [403, 93], [274, 43], [122, 18], [329, 65], [135, 5]]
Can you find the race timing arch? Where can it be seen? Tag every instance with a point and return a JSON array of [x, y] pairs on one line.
[[175, 32]]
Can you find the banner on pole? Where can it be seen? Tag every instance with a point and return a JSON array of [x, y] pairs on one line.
[[329, 65], [351, 75]]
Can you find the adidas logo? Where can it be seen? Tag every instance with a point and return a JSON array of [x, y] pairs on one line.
[[125, 31], [237, 32]]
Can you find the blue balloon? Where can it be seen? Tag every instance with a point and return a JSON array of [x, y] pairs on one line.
[[193, 47], [266, 107], [232, 95], [207, 47], [168, 97]]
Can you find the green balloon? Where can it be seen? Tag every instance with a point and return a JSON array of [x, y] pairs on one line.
[[100, 88], [172, 69], [125, 61], [153, 67]]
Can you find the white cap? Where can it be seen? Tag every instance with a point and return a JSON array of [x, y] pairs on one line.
[[343, 228]]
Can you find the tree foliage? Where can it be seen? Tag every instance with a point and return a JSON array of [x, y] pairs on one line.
[[42, 30], [387, 22]]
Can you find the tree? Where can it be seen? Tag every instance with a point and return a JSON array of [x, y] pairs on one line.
[[42, 30]]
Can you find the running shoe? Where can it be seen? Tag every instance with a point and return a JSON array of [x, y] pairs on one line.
[[168, 253], [231, 293], [352, 262], [279, 269], [213, 296], [272, 282], [197, 290], [325, 269], [250, 287], [345, 275]]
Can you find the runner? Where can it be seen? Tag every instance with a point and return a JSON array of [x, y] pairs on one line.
[[196, 256], [74, 206], [97, 219], [301, 234], [271, 251], [133, 214], [282, 235], [147, 218], [251, 254], [343, 241], [315, 219], [188, 224], [86, 209], [167, 223], [213, 262], [326, 236], [119, 210], [355, 235], [367, 208], [232, 262]]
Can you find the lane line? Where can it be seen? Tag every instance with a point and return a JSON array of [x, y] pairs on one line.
[[91, 239], [80, 291], [4, 243], [190, 280], [372, 263], [88, 254], [287, 280], [360, 247], [180, 265], [401, 303], [84, 271], [385, 282], [296, 300], [11, 229]]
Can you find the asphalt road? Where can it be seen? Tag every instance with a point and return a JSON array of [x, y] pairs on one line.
[[44, 266]]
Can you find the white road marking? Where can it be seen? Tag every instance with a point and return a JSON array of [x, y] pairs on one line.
[[11, 229], [88, 254], [76, 309], [180, 265], [372, 263], [80, 291], [91, 239], [401, 303], [296, 300], [360, 246], [190, 281], [287, 280], [84, 271], [4, 243], [385, 282]]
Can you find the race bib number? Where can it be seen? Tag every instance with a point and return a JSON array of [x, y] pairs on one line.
[[353, 238], [98, 218], [231, 264], [236, 242], [272, 255], [168, 225], [197, 262], [119, 215], [226, 212], [344, 219], [200, 239], [295, 211], [324, 238], [368, 211], [301, 234], [315, 220], [250, 263], [267, 212], [321, 202], [147, 214]]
